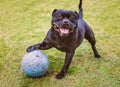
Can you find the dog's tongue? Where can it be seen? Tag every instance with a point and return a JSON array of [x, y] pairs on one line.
[[64, 30]]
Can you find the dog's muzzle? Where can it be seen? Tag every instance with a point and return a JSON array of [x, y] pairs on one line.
[[63, 30]]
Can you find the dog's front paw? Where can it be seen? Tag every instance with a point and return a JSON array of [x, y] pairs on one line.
[[97, 56], [31, 48], [59, 76]]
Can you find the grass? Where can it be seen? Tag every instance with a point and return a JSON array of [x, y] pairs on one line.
[[24, 23]]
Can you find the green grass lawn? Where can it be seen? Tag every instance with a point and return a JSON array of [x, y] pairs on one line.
[[26, 22]]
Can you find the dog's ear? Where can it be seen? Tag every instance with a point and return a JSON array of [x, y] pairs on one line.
[[77, 14], [53, 13]]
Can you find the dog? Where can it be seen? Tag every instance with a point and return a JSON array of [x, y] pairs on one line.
[[67, 32]]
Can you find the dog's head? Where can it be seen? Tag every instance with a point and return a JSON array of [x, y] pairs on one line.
[[64, 22]]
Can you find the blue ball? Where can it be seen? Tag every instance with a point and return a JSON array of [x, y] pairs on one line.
[[35, 64]]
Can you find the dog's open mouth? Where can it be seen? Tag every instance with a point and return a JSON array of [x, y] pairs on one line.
[[64, 30]]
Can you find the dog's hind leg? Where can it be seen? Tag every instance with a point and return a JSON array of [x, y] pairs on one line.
[[89, 35]]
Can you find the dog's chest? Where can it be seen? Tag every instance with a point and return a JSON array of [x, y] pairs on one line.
[[63, 45]]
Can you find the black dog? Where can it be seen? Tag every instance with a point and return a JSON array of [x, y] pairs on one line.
[[66, 34]]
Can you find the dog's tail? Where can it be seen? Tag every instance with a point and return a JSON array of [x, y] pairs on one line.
[[80, 10]]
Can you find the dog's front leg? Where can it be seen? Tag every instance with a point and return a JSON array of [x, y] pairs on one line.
[[40, 46], [68, 58]]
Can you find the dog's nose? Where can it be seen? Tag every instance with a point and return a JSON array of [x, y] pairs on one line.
[[65, 21]]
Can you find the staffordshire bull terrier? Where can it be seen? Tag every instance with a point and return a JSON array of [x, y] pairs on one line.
[[68, 29]]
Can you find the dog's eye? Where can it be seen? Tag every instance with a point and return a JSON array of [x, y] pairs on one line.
[[71, 17], [59, 17]]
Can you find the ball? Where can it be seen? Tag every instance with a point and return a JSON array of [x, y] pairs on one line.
[[35, 64]]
